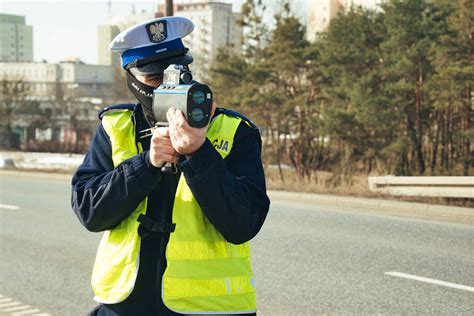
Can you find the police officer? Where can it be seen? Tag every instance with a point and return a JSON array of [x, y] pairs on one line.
[[173, 244]]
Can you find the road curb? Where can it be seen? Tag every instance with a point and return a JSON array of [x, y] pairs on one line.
[[455, 214]]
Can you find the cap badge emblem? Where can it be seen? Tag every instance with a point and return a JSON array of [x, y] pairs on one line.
[[157, 31]]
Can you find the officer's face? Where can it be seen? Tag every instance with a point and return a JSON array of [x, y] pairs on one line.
[[152, 80]]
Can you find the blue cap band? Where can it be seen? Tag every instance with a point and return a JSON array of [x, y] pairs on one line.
[[153, 50]]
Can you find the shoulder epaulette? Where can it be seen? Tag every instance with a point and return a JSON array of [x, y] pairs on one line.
[[116, 108], [235, 114]]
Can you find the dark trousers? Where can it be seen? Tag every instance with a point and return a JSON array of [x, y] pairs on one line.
[[103, 310]]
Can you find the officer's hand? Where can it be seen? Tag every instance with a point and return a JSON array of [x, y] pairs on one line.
[[184, 138], [161, 150]]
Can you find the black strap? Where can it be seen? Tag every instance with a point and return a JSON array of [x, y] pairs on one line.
[[125, 106], [148, 226]]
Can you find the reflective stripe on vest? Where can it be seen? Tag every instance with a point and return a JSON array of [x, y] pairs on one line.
[[205, 273]]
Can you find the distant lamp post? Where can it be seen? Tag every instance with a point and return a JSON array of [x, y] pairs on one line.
[[169, 7]]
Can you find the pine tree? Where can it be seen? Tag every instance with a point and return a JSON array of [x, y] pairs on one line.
[[357, 115], [412, 30], [452, 89]]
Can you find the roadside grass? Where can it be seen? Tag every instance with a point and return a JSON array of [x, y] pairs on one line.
[[320, 182]]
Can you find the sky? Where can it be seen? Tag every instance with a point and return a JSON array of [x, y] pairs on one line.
[[68, 28], [64, 29]]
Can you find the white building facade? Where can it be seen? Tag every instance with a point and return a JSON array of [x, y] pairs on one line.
[[106, 33], [319, 15], [43, 78], [321, 12], [58, 108], [16, 39], [215, 27]]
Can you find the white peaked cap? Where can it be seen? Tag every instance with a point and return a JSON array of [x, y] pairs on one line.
[[142, 35]]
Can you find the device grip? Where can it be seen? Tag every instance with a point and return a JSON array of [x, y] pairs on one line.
[[169, 168]]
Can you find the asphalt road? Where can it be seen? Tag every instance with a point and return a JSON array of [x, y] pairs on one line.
[[308, 259]]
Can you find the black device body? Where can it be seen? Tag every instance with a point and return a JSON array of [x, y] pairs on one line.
[[181, 92]]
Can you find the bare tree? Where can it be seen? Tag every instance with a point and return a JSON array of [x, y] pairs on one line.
[[12, 99]]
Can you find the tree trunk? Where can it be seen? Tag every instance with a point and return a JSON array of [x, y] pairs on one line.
[[418, 137], [417, 146], [467, 141], [434, 154], [451, 145], [444, 141]]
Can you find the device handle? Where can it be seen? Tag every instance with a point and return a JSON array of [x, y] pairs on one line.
[[170, 168]]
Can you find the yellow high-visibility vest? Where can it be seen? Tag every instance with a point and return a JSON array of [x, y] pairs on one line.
[[205, 273]]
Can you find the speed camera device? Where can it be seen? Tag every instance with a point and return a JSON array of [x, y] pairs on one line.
[[181, 92]]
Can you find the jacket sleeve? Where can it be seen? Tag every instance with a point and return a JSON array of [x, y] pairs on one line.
[[231, 191], [103, 196]]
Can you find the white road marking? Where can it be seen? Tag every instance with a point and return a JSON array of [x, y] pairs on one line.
[[30, 311], [9, 304], [6, 299], [432, 281], [16, 308], [9, 207]]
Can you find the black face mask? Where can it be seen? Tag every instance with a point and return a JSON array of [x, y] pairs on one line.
[[144, 95]]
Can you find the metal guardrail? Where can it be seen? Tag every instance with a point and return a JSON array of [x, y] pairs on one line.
[[459, 187]]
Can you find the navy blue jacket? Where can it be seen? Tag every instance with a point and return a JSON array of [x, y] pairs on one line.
[[231, 193]]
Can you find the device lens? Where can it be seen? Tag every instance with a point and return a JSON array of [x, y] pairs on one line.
[[199, 97], [186, 77], [197, 115]]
